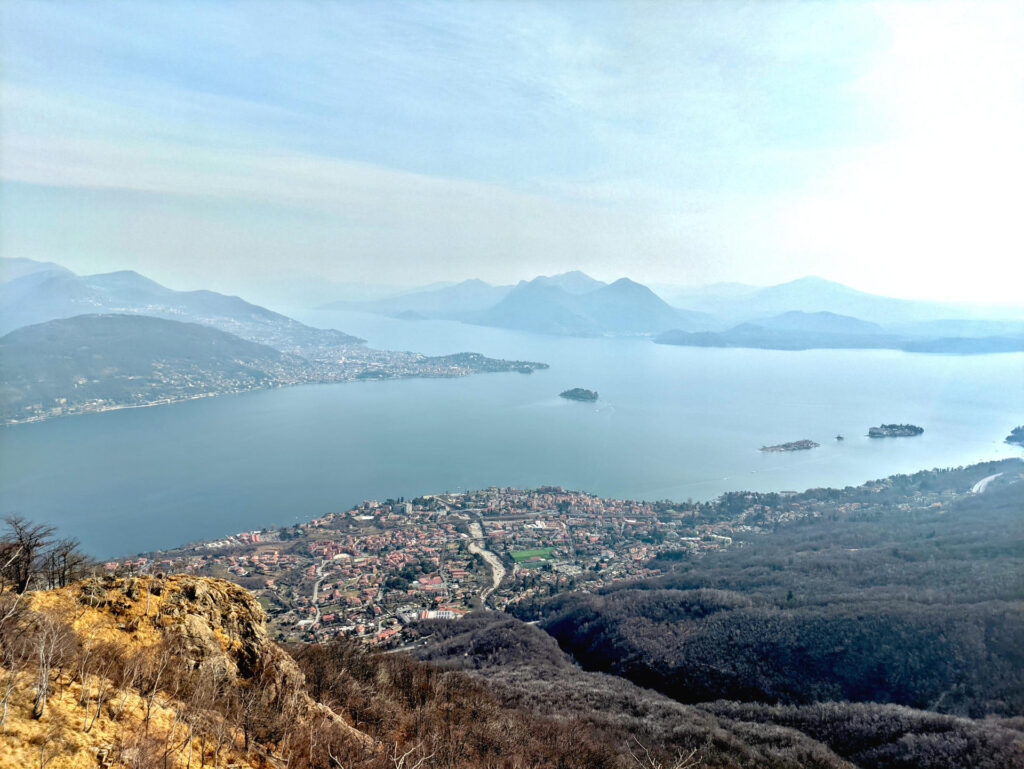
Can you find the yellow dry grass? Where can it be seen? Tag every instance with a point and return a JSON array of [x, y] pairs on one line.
[[60, 732], [135, 625]]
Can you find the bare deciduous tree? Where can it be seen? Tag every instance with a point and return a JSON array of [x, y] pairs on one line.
[[51, 641], [21, 546], [645, 760]]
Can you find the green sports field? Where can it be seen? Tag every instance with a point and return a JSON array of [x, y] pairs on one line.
[[524, 555]]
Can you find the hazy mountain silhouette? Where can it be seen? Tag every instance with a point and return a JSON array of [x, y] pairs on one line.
[[18, 267], [624, 307], [462, 300], [819, 322], [46, 295], [574, 282], [812, 294]]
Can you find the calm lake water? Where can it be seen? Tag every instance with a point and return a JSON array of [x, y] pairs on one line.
[[671, 422]]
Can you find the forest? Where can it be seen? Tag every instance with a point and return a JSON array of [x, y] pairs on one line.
[[892, 618]]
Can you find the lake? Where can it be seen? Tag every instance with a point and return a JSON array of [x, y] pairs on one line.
[[671, 423]]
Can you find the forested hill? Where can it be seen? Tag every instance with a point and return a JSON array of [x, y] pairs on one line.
[[898, 603], [92, 361], [101, 362]]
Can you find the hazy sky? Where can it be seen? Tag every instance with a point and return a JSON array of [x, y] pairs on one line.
[[233, 145]]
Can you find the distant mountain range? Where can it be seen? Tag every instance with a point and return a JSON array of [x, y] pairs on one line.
[[572, 303], [736, 303], [97, 342], [798, 315], [623, 307], [797, 330], [43, 291], [461, 301], [575, 304]]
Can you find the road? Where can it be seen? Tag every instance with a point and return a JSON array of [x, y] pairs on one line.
[[316, 591], [980, 486], [497, 569]]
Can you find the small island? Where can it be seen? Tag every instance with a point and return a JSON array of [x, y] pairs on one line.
[[895, 431], [1016, 436], [803, 445], [579, 394]]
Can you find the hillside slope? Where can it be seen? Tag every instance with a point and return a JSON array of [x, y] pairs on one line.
[[178, 671], [525, 667], [57, 293], [150, 671], [93, 363], [102, 361]]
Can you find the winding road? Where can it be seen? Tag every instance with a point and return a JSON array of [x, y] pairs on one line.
[[497, 569], [316, 591]]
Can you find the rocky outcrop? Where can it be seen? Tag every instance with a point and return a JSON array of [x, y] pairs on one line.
[[219, 628], [151, 663]]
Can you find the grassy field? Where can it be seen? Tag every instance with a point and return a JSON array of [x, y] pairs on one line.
[[524, 555]]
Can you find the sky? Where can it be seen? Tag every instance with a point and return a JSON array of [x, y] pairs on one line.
[[266, 148]]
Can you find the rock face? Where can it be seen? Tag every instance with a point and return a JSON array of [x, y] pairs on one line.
[[219, 625], [219, 628], [139, 654]]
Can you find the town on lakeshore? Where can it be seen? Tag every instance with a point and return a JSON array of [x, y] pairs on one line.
[[375, 569]]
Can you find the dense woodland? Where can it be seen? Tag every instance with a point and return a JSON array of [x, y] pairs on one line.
[[886, 604], [525, 667]]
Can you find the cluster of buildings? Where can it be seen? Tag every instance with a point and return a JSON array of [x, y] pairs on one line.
[[372, 570]]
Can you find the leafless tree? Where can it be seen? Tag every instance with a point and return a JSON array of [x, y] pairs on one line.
[[154, 671], [140, 751], [127, 676], [51, 640], [645, 760], [51, 742], [13, 660], [20, 548], [413, 758], [63, 563], [107, 662]]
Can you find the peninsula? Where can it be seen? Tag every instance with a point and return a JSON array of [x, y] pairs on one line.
[[895, 431], [803, 445], [93, 363], [579, 394]]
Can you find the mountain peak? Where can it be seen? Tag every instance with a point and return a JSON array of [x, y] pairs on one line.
[[627, 282], [814, 282], [626, 286], [574, 282], [126, 278]]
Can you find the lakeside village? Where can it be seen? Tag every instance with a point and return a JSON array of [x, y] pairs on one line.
[[373, 570]]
